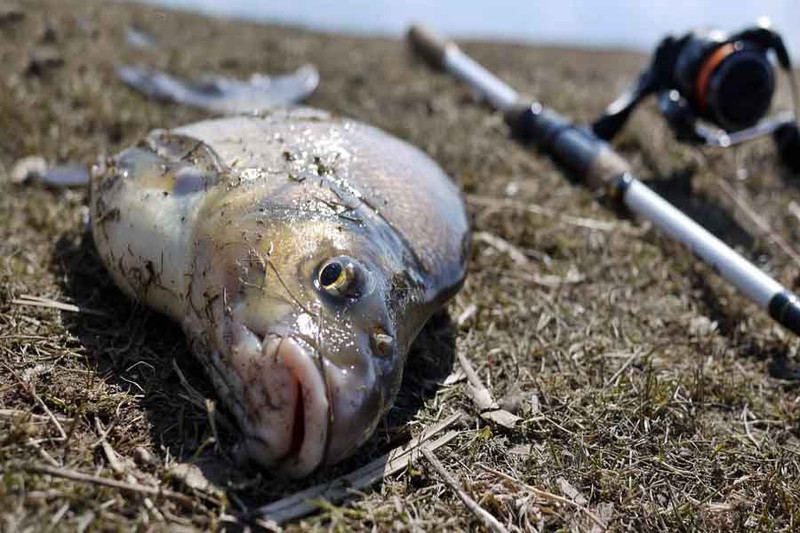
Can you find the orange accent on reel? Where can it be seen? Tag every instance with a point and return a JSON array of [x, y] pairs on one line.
[[708, 67]]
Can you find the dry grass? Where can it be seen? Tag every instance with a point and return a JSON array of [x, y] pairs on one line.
[[652, 396]]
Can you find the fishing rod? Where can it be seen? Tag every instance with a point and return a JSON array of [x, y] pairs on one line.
[[591, 159]]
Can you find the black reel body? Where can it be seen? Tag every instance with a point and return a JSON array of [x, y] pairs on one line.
[[714, 89]]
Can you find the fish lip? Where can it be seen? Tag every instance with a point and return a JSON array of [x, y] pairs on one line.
[[334, 418], [260, 378], [312, 408]]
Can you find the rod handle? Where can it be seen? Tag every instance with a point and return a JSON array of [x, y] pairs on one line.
[[431, 46], [577, 149]]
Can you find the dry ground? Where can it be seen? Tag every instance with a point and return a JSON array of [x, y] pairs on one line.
[[649, 390]]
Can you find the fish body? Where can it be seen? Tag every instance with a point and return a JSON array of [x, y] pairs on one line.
[[302, 254]]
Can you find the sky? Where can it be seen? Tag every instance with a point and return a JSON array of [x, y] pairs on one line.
[[633, 24]]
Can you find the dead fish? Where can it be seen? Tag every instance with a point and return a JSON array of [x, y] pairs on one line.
[[224, 95], [34, 169], [64, 176], [139, 38], [302, 254]]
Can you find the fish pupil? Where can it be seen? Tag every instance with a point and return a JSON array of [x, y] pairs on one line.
[[330, 273]]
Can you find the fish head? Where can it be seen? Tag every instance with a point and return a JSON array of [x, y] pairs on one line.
[[310, 333]]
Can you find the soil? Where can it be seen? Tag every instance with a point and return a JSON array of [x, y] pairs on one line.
[[652, 395]]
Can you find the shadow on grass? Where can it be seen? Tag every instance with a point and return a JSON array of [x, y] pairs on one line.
[[790, 177], [134, 348], [677, 189]]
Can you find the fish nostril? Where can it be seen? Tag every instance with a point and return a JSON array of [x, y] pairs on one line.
[[382, 342]]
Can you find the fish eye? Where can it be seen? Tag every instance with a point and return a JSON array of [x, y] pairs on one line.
[[331, 274], [339, 277]]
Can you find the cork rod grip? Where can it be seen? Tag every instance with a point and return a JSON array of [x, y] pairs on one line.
[[429, 45]]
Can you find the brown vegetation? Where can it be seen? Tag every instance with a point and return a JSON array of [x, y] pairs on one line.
[[651, 395]]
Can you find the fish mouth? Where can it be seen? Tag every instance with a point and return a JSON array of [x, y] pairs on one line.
[[299, 409], [289, 410]]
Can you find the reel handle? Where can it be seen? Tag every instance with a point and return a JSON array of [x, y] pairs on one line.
[[654, 78], [613, 119]]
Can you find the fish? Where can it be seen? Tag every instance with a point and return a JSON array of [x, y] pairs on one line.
[[140, 38], [220, 94], [301, 252]]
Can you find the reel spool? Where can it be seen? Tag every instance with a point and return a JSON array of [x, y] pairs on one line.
[[715, 89]]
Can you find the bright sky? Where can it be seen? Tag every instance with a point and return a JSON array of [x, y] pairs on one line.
[[629, 23]]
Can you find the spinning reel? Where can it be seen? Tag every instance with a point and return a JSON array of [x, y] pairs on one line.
[[714, 89]]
